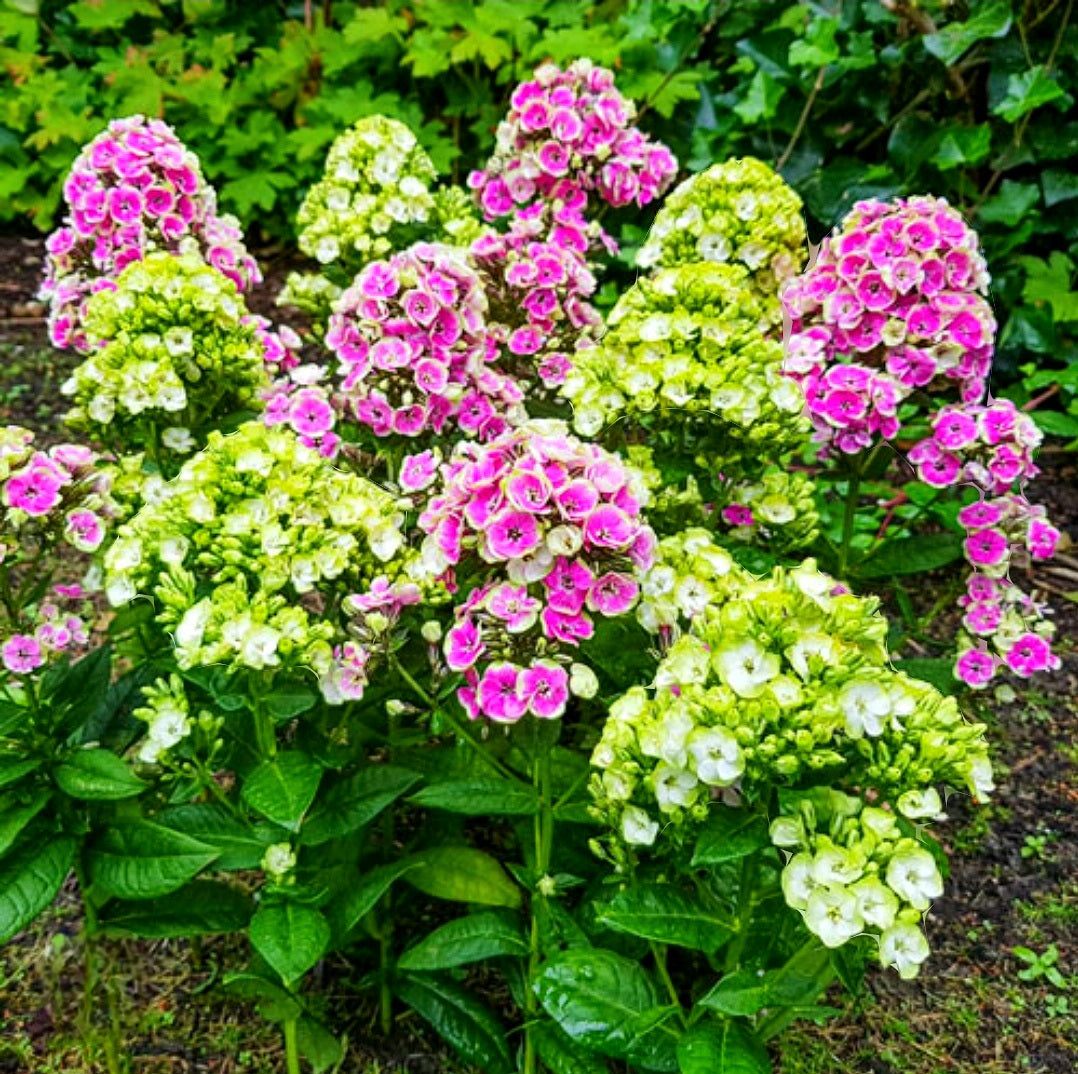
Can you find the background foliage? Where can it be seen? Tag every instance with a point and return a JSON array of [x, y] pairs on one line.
[[850, 98]]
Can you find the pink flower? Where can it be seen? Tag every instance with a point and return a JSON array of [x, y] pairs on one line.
[[498, 697], [1041, 539], [571, 629], [528, 491], [613, 594], [512, 534], [1029, 654], [311, 413], [567, 586], [544, 688], [512, 605], [84, 530], [986, 548], [21, 654], [737, 514], [609, 527], [577, 499], [463, 645], [975, 668], [35, 491], [418, 471]]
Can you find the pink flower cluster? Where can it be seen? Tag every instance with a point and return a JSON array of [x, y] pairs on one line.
[[280, 344], [57, 487], [411, 338], [1006, 628], [306, 408], [894, 303], [552, 528], [133, 189], [991, 446], [348, 675], [538, 286], [571, 130], [59, 630]]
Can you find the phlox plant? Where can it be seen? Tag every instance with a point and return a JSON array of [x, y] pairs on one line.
[[494, 614]]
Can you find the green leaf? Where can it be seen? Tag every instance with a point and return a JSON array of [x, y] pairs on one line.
[[938, 672], [1049, 282], [1054, 423], [97, 775], [480, 797], [290, 937], [817, 48], [105, 15], [16, 815], [282, 789], [1027, 91], [463, 874], [275, 1004], [721, 1049], [238, 845], [989, 18], [911, 555], [1059, 185], [665, 914], [1011, 204], [371, 24], [597, 997], [459, 1019], [729, 834], [347, 911], [14, 768], [963, 145], [761, 100], [286, 702], [197, 909], [562, 1054], [30, 877], [488, 934], [347, 806], [798, 983], [318, 1045], [141, 860]]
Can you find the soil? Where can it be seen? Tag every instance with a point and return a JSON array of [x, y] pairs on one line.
[[1013, 882]]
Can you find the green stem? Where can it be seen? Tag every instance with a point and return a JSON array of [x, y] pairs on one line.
[[745, 893], [853, 498], [544, 839], [658, 953], [385, 931], [291, 1047]]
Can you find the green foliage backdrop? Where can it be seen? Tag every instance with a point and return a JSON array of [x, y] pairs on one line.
[[851, 98]]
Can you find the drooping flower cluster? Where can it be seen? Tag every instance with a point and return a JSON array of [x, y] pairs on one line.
[[688, 349], [538, 286], [739, 212], [571, 129], [549, 532], [894, 303], [134, 189], [857, 869], [410, 336], [249, 527], [173, 354], [779, 681], [990, 446], [1003, 627]]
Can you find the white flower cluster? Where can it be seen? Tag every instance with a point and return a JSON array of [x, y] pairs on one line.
[[738, 212], [167, 718]]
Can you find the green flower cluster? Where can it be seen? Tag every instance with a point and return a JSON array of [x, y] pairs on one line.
[[376, 182], [173, 351], [739, 212], [456, 222], [857, 869], [687, 350], [166, 713], [237, 541], [780, 681]]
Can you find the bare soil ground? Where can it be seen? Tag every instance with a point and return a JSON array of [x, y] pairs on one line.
[[1013, 884]]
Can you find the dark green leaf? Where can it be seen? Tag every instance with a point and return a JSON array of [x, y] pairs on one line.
[[911, 555], [940, 672], [17, 814], [480, 797], [97, 775], [1026, 91], [459, 1019], [30, 877], [562, 1054], [728, 1048], [480, 936], [463, 874], [238, 845], [666, 914], [275, 1003], [141, 860], [798, 983], [282, 789], [318, 1045], [989, 18], [1059, 185], [729, 834], [290, 937], [360, 899], [1011, 204], [197, 909], [286, 702], [14, 768], [596, 996], [347, 806]]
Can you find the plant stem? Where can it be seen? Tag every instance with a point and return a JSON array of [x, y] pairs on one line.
[[658, 953], [745, 892], [291, 1047], [385, 930], [544, 833], [853, 498]]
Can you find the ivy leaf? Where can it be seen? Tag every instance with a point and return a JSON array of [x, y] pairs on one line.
[[107, 15], [963, 145], [989, 19], [1059, 184], [1049, 282], [817, 48], [762, 99], [478, 44], [256, 188], [371, 24], [1011, 204], [1027, 91]]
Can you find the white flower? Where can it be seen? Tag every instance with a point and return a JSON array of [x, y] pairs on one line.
[[787, 832], [713, 248], [718, 757], [879, 822], [327, 249], [675, 788], [120, 590], [618, 785], [980, 777], [832, 914], [917, 805], [876, 901], [904, 947], [797, 881], [637, 828], [692, 596], [178, 439], [866, 706], [279, 859], [665, 738], [192, 626], [685, 663], [259, 648], [912, 874], [582, 681], [837, 866], [746, 668], [565, 540]]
